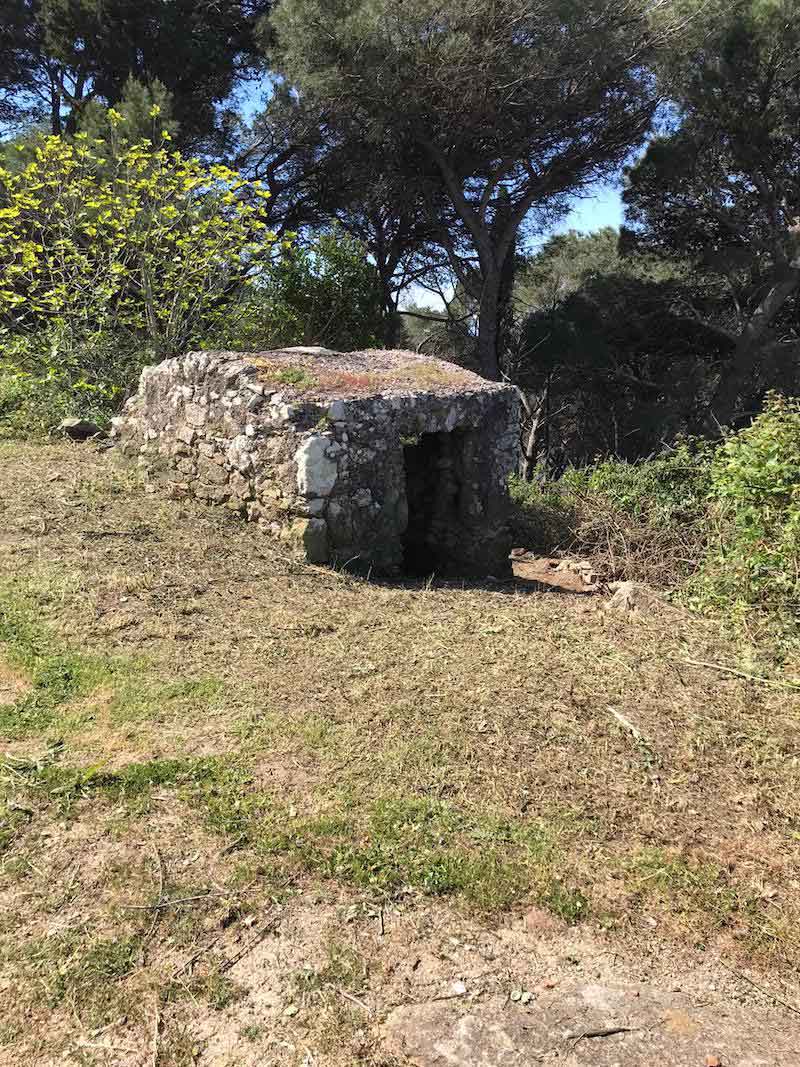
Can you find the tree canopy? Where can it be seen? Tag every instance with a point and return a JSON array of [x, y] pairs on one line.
[[615, 354], [63, 53], [505, 107], [723, 187]]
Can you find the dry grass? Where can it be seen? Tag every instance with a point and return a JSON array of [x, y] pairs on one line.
[[625, 548], [201, 717], [621, 546]]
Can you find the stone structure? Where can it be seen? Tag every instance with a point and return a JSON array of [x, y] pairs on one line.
[[390, 460]]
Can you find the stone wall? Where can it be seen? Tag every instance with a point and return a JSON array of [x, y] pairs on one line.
[[329, 472]]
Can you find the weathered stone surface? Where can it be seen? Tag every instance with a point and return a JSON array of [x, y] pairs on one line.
[[391, 460], [313, 535], [583, 1025], [636, 599]]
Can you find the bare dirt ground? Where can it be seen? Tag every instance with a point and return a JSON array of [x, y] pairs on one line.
[[258, 813]]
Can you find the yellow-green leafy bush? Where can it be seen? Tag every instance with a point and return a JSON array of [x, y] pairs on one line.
[[103, 253], [144, 240]]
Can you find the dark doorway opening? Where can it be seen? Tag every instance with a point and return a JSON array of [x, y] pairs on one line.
[[433, 488]]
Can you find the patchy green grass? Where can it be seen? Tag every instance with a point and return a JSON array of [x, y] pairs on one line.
[[202, 727], [386, 846], [64, 787], [297, 377], [436, 848], [63, 681], [344, 968], [57, 675], [75, 969], [661, 876]]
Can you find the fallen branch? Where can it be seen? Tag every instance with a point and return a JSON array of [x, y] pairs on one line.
[[792, 684], [194, 958], [169, 903], [93, 1036], [156, 1040]]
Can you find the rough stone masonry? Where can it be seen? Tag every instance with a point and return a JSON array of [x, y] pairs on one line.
[[388, 461]]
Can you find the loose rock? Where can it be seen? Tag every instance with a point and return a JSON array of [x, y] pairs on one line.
[[79, 429]]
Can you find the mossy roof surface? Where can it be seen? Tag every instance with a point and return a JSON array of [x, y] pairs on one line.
[[317, 373]]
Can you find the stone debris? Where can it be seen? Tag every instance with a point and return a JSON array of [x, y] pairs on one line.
[[391, 460], [633, 598], [585, 571], [79, 429], [558, 575]]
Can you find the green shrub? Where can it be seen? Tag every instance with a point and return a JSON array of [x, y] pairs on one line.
[[326, 293], [113, 254], [638, 521], [753, 562], [142, 241], [48, 376], [719, 522], [671, 488], [544, 516]]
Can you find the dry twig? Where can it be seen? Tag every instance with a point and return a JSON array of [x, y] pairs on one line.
[[355, 1000], [262, 933], [788, 684], [154, 1048], [156, 913], [760, 989]]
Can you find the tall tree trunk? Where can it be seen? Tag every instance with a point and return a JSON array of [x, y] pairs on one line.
[[748, 349], [489, 327], [390, 324], [494, 310], [55, 103], [546, 416], [389, 338]]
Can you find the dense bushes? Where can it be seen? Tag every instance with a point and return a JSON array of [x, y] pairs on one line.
[[140, 240], [671, 488], [641, 521], [323, 293], [719, 523], [112, 256], [753, 561], [51, 374]]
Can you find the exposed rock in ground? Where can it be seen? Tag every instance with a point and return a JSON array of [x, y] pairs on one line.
[[585, 1024], [633, 598]]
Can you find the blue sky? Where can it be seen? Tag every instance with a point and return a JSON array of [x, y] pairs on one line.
[[602, 207]]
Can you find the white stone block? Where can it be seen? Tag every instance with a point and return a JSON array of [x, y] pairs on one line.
[[316, 471]]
